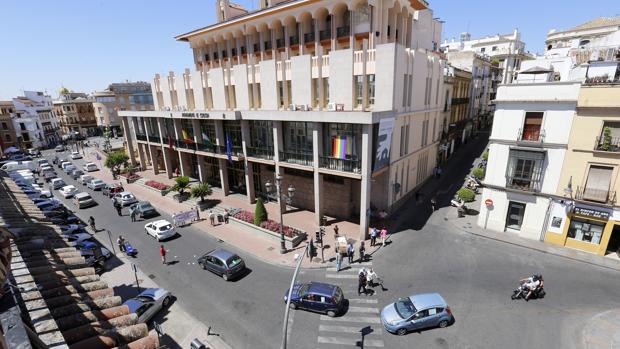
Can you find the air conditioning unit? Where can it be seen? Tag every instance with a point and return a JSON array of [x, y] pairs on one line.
[[292, 107], [331, 106]]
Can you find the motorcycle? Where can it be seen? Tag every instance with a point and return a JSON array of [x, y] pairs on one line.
[[461, 209], [522, 291], [130, 250]]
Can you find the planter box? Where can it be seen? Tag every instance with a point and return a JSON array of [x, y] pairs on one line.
[[290, 243]]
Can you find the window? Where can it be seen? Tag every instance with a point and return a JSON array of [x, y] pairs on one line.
[[597, 184], [259, 102], [7, 138], [410, 93], [532, 126], [326, 89], [342, 141], [22, 126], [5, 126], [483, 49], [494, 48], [298, 137], [586, 230], [281, 93], [609, 139], [402, 140], [524, 170], [359, 90], [371, 89], [514, 216], [405, 84], [315, 93]]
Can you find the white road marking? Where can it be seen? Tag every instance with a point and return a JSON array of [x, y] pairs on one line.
[[364, 319], [363, 310], [341, 276], [362, 300], [351, 341], [348, 329]]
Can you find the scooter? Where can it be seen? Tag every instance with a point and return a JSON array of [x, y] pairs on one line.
[[461, 209], [522, 291], [130, 250]]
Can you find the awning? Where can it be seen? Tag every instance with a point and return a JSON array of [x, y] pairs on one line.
[[536, 70]]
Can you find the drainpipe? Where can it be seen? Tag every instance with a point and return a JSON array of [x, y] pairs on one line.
[[543, 232]]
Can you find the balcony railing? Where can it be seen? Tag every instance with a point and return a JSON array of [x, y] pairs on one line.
[[234, 151], [154, 139], [296, 158], [463, 100], [267, 45], [279, 43], [179, 143], [530, 134], [261, 152], [309, 37], [521, 183], [610, 144], [293, 40], [325, 34], [344, 165], [211, 148], [141, 137], [343, 31], [256, 47], [596, 195]]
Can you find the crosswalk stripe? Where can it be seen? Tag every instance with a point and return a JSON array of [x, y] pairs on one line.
[[341, 276], [365, 319], [351, 341], [363, 310], [348, 329], [361, 300]]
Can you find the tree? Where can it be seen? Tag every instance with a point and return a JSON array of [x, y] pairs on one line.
[[466, 195], [485, 155], [260, 213], [182, 184], [115, 160], [478, 173], [201, 190]]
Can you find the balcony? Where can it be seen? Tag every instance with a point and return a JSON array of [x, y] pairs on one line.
[[523, 183], [343, 165], [154, 139], [296, 158], [343, 31], [256, 47], [325, 35], [141, 137], [211, 148], [279, 43], [596, 195], [609, 144], [308, 37], [267, 45], [531, 134], [179, 143], [235, 150], [293, 40], [262, 153]]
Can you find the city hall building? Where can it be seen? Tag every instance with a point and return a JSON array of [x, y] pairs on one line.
[[343, 98]]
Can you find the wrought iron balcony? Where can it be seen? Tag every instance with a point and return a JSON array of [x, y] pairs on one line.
[[293, 40], [154, 139], [344, 165], [141, 137], [267, 45], [523, 183], [261, 152], [325, 35], [279, 43], [309, 37], [596, 195], [531, 134], [296, 158], [211, 148], [234, 151], [343, 31], [610, 144]]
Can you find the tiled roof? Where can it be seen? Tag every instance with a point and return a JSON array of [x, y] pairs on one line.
[[598, 22], [68, 305]]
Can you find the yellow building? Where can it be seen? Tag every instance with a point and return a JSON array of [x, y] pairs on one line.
[[589, 182]]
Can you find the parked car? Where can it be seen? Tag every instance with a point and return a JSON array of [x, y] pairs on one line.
[[64, 164], [318, 297], [68, 191], [124, 198], [96, 184], [222, 262], [59, 148], [88, 249], [84, 179], [76, 155], [148, 303], [72, 228], [69, 169], [143, 209], [90, 167], [57, 183], [111, 189], [70, 219], [76, 238], [75, 174], [160, 230], [82, 200], [49, 204], [416, 312]]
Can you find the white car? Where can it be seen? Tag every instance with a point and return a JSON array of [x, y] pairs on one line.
[[125, 198], [68, 191], [75, 155], [96, 184], [160, 230], [90, 167], [85, 179]]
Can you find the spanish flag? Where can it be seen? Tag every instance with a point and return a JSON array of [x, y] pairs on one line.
[[186, 138]]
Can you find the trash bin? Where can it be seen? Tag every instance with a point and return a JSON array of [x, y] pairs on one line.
[[197, 344]]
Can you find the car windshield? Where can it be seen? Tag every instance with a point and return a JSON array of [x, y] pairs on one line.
[[404, 308], [233, 261], [338, 295], [304, 289], [165, 227], [84, 198]]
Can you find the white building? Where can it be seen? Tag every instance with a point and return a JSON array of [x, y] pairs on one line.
[[35, 122], [343, 98]]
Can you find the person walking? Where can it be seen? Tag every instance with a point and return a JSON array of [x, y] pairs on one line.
[[383, 235], [433, 204], [373, 236], [350, 251], [226, 215], [361, 282], [212, 217], [336, 230], [121, 243], [133, 214], [338, 261], [362, 252], [91, 222], [118, 207], [162, 253]]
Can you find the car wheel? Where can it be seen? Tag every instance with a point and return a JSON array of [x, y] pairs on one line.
[[292, 306], [443, 323], [166, 302], [401, 331], [331, 313], [204, 266], [225, 277], [147, 232]]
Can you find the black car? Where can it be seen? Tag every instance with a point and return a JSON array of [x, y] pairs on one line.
[[222, 262], [143, 209]]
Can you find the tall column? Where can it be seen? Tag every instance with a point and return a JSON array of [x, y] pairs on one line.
[[365, 181], [164, 149], [249, 172], [333, 32], [317, 41], [319, 63], [154, 158], [278, 145], [364, 76], [140, 150], [184, 163], [149, 154], [317, 151], [130, 140], [221, 140]]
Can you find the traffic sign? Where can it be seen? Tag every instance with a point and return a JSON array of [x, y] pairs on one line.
[[488, 202]]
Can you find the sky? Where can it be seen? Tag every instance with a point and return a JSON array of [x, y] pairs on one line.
[[86, 45]]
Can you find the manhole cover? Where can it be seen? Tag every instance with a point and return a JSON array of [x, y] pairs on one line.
[[270, 248], [151, 276]]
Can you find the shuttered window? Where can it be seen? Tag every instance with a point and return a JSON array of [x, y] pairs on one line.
[[597, 184]]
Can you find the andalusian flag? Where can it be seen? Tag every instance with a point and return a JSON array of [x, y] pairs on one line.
[[186, 138], [206, 139], [339, 147]]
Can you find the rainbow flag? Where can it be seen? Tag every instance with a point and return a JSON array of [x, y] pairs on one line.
[[339, 147], [186, 137]]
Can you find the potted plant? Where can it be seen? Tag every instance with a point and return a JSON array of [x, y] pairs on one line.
[[201, 190], [180, 186]]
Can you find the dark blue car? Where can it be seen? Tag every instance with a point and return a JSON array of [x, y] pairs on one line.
[[318, 297]]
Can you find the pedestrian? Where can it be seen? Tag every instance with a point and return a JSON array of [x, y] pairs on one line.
[[383, 235], [162, 253], [373, 236], [132, 214], [177, 172], [361, 282], [439, 171], [119, 208], [310, 249], [226, 214], [91, 222], [121, 243], [212, 217], [433, 204], [336, 230], [350, 251], [338, 261], [362, 252]]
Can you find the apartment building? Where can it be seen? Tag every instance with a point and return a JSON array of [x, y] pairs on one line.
[[456, 105], [30, 110], [76, 114], [447, 143], [342, 98], [120, 97], [8, 138]]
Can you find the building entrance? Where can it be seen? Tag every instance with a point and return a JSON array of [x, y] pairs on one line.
[[236, 177], [614, 241]]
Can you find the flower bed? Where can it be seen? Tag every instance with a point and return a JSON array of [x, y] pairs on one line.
[[130, 177], [157, 185], [270, 225]]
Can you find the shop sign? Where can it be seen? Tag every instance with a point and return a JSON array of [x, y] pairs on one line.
[[588, 212], [195, 115]]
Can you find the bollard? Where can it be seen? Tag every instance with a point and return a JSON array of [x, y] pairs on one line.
[[197, 344]]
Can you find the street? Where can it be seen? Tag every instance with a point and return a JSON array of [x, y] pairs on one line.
[[475, 275]]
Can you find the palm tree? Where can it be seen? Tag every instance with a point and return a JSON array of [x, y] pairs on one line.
[[201, 190]]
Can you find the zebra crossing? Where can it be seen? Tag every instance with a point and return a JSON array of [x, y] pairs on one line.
[[361, 325]]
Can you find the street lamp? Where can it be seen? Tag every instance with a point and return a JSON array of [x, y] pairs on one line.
[[289, 196]]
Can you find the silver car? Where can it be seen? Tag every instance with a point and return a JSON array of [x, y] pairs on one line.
[[148, 303], [96, 184], [125, 198]]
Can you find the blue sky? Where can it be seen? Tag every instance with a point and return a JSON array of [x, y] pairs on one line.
[[85, 45]]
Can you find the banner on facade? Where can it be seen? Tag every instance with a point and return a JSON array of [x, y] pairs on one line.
[[384, 143], [184, 218]]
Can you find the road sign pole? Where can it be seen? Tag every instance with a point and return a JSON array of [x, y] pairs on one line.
[[489, 205], [135, 273], [111, 243]]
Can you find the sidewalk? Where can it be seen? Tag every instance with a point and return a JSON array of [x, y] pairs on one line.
[[233, 233]]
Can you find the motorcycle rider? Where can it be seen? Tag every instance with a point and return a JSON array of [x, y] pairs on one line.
[[531, 284]]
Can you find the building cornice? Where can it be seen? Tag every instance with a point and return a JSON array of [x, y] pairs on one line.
[[533, 145]]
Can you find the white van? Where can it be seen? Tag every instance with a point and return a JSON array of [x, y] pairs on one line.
[[57, 183], [15, 166]]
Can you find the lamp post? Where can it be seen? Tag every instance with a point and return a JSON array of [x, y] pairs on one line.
[[290, 194]]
